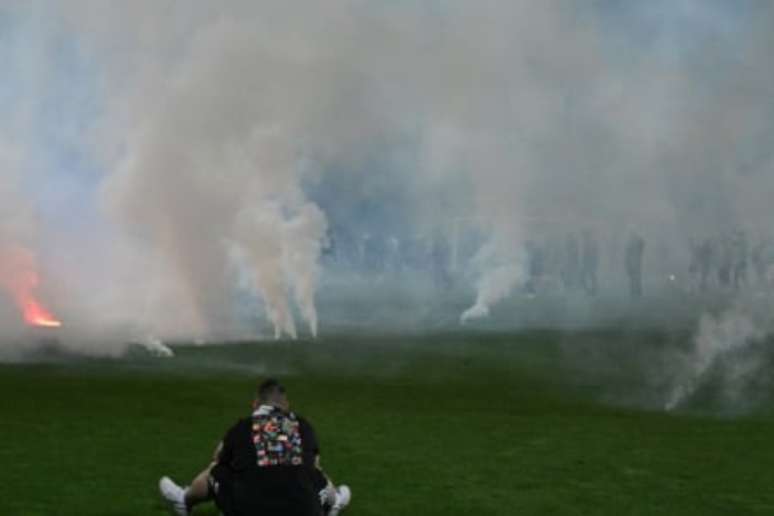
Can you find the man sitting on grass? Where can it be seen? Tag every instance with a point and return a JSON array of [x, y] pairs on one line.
[[267, 464]]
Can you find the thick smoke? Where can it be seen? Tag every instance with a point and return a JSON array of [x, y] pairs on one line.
[[244, 139], [727, 366], [214, 165], [716, 339]]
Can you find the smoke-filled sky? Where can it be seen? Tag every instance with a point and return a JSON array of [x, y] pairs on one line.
[[158, 156]]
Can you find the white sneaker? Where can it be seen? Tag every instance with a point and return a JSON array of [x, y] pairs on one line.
[[175, 496], [343, 496]]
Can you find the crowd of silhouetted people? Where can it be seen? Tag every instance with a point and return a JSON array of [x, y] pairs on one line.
[[568, 263]]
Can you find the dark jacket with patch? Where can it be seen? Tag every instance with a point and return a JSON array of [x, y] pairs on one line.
[[267, 466]]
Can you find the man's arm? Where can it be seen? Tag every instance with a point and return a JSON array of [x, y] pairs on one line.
[[198, 491], [218, 454]]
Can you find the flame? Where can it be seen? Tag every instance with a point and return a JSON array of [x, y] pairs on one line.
[[37, 315], [18, 275]]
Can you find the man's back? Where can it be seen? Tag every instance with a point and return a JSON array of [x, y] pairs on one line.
[[267, 463]]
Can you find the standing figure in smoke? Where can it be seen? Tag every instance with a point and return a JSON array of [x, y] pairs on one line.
[[570, 271], [441, 259], [589, 263], [376, 251], [364, 254], [694, 266], [347, 248], [760, 261], [724, 257], [704, 259], [393, 260], [535, 259], [635, 250], [553, 268], [740, 251]]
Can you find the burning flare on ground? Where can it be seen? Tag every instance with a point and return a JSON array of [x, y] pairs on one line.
[[19, 276]]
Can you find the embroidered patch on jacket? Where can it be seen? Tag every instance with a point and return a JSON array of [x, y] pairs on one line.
[[277, 439]]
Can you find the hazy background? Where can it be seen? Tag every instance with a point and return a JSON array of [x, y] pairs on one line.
[[237, 169]]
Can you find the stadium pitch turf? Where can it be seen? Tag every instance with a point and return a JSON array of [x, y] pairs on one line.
[[487, 424]]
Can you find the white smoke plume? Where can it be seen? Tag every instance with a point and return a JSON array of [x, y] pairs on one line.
[[716, 338], [502, 261], [214, 162], [494, 286], [284, 251]]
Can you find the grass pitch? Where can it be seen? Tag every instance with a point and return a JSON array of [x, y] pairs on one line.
[[530, 423]]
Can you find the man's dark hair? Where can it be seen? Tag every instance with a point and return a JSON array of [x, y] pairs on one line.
[[269, 390]]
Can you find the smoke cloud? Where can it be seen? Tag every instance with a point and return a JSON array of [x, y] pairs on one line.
[[716, 340], [279, 146]]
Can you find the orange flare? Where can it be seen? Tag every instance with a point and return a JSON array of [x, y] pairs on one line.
[[19, 276], [36, 315]]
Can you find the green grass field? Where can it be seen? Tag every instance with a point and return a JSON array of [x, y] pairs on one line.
[[484, 424]]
